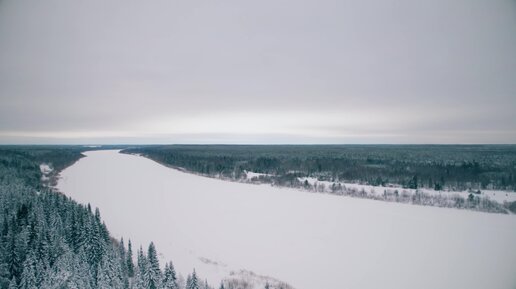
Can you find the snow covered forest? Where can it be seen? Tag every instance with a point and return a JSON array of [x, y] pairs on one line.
[[48, 240], [453, 176]]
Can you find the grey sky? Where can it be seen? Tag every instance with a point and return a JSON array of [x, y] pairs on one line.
[[205, 71]]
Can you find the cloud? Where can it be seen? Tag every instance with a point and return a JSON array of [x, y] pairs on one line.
[[315, 71]]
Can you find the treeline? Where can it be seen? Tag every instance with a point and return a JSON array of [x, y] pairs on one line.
[[49, 241], [450, 167]]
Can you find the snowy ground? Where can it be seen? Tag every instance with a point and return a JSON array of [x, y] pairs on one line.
[[309, 240], [45, 170], [494, 195], [253, 175]]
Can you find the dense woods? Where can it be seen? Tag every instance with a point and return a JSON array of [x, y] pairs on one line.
[[451, 167]]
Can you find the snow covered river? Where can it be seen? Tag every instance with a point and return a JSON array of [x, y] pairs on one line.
[[310, 241]]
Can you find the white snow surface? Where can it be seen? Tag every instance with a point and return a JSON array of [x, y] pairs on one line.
[[252, 175], [308, 240], [494, 195], [45, 170]]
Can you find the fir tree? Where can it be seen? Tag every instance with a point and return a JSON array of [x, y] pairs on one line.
[[123, 262], [194, 281], [97, 215], [188, 282], [13, 260], [129, 260], [110, 274], [142, 277], [169, 277], [28, 277], [154, 272], [81, 277]]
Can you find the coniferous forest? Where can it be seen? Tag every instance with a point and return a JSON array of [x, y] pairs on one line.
[[454, 167]]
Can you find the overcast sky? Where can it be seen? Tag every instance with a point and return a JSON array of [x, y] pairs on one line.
[[268, 71]]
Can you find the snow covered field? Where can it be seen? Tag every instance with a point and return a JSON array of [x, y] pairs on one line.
[[494, 195], [310, 241]]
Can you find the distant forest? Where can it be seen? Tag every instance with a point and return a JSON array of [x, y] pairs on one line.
[[439, 167]]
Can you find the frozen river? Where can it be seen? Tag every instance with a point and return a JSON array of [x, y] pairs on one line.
[[310, 241]]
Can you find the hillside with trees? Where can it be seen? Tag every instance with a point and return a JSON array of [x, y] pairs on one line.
[[49, 241]]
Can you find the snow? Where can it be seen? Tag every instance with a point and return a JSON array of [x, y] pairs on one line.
[[494, 195], [45, 170], [251, 175], [307, 240]]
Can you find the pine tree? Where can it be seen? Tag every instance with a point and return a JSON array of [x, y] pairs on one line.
[[121, 251], [194, 282], [94, 244], [28, 277], [103, 276], [110, 275], [97, 214], [142, 277], [13, 258], [188, 282], [81, 277], [129, 260], [60, 273], [169, 278], [123, 262], [154, 271]]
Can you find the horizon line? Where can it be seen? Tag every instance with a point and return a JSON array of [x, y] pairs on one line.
[[259, 144]]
